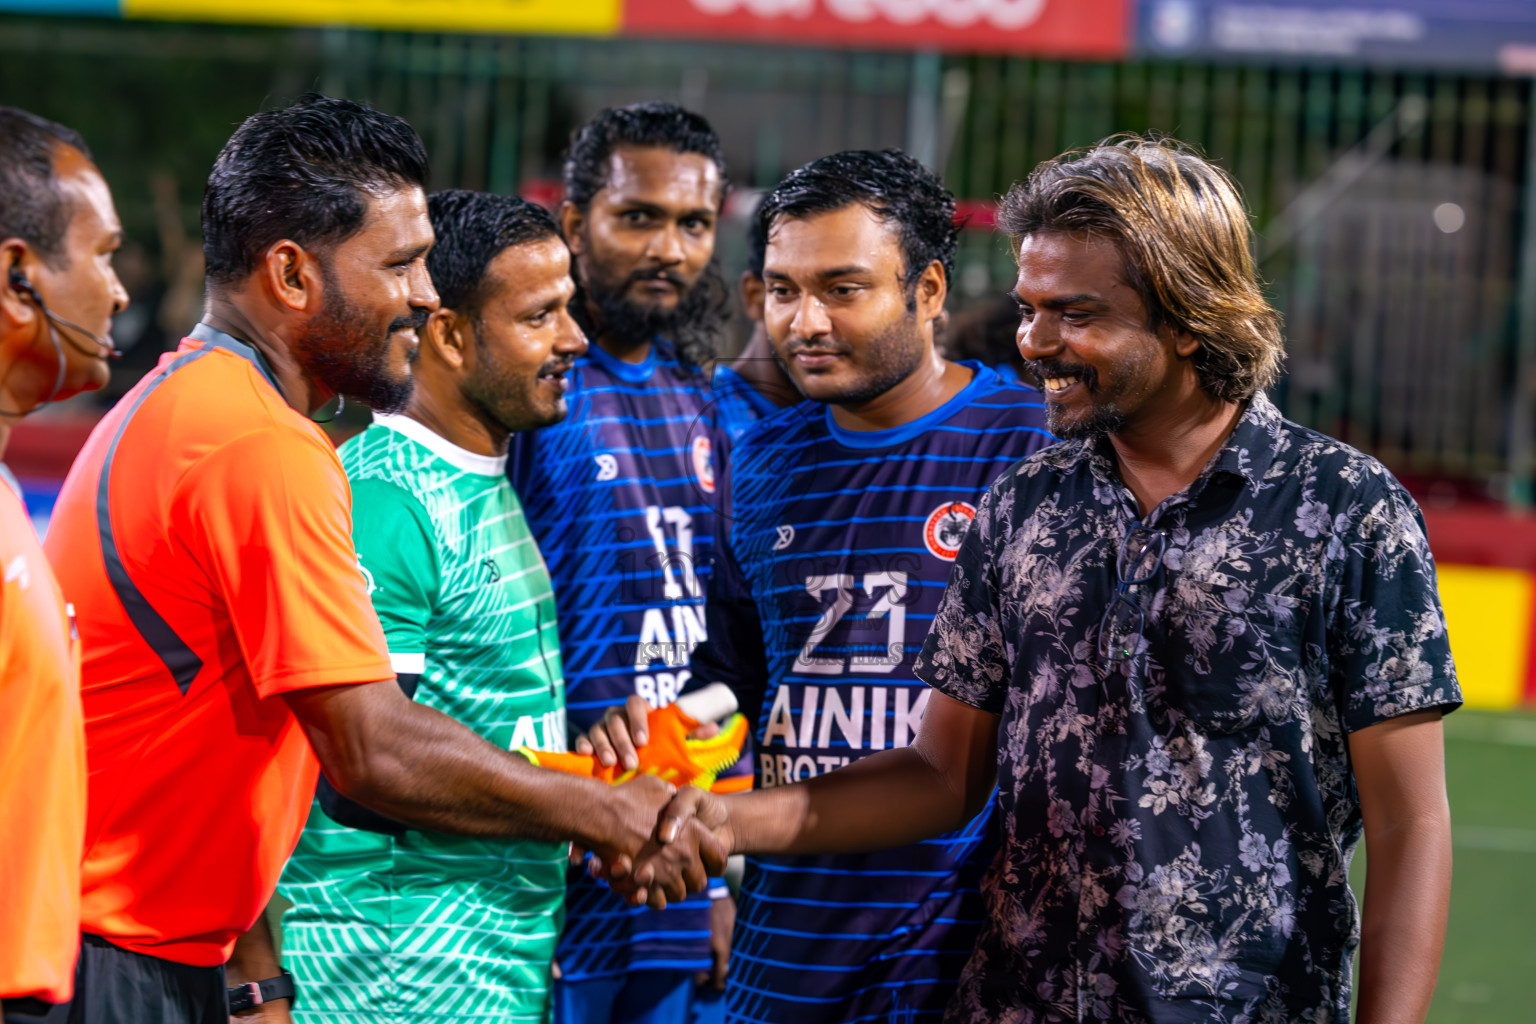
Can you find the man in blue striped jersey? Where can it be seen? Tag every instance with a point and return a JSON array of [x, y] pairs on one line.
[[621, 498], [842, 517]]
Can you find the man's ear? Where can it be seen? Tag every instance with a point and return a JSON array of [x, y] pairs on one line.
[[16, 308], [292, 274], [1185, 344], [753, 293], [930, 292], [449, 336], [573, 222]]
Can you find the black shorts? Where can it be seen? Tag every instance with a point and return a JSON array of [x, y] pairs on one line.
[[118, 986]]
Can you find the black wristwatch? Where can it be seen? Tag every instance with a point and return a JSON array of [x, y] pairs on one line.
[[254, 993]]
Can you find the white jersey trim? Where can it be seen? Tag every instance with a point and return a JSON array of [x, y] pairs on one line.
[[406, 664], [463, 458]]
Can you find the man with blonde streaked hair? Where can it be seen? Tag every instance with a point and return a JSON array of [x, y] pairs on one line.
[[1198, 647]]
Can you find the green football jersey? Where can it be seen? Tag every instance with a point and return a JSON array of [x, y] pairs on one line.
[[423, 926]]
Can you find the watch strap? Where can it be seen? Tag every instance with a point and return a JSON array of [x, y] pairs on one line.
[[254, 993]]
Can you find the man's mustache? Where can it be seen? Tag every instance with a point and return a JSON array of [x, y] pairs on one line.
[[415, 322], [1044, 368], [672, 277], [795, 346]]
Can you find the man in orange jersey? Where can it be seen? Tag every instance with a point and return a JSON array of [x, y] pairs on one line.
[[58, 230], [204, 536]]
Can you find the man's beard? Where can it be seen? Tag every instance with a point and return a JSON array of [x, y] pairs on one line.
[[337, 350], [692, 325], [1105, 415], [506, 397], [887, 359]]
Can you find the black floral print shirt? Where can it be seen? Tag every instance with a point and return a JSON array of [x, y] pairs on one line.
[[1178, 823]]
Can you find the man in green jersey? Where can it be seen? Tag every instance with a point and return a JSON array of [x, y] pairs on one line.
[[391, 924]]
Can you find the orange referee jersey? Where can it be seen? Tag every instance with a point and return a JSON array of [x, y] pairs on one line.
[[204, 536], [42, 769]]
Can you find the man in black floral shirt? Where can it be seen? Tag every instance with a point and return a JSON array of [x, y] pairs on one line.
[[1199, 648]]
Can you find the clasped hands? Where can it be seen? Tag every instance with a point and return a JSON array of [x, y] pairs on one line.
[[669, 842]]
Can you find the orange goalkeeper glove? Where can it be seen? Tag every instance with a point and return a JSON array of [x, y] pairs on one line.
[[670, 754]]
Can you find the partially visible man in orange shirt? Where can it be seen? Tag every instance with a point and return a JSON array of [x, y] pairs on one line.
[[58, 230], [204, 536]]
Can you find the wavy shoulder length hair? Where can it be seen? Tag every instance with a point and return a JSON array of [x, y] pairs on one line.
[[1181, 226]]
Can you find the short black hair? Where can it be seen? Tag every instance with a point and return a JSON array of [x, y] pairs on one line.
[[659, 124], [890, 184], [472, 229], [31, 206], [301, 172]]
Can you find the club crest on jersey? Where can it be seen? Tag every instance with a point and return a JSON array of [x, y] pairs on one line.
[[946, 527], [607, 467], [703, 465]]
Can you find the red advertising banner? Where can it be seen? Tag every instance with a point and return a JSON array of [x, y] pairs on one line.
[[1074, 28]]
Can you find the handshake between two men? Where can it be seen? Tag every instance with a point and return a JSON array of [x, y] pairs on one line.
[[887, 799], [632, 796], [684, 744]]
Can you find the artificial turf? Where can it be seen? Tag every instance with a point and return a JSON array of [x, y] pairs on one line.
[[1488, 975]]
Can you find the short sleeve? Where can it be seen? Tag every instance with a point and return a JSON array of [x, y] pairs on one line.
[[270, 515], [1387, 645], [397, 550], [964, 656]]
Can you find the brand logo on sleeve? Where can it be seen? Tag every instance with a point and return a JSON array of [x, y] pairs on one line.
[[607, 467], [786, 537], [946, 527]]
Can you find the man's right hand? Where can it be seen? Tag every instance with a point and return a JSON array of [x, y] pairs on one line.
[[418, 766], [679, 855], [691, 843], [633, 809]]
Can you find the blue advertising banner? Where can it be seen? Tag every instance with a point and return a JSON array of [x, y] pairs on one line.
[[1482, 35], [93, 8]]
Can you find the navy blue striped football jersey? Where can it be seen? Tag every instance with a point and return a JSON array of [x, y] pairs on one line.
[[738, 403], [620, 496], [836, 547]]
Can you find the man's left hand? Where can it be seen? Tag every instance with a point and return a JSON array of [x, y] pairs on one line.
[[722, 924]]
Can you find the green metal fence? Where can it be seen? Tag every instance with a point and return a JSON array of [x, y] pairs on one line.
[[1389, 205]]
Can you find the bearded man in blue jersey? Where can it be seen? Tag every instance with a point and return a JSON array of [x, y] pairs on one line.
[[845, 513], [621, 498]]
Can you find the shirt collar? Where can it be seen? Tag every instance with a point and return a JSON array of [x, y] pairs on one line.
[[461, 458], [1248, 452], [212, 336], [1254, 443], [630, 373], [982, 380]]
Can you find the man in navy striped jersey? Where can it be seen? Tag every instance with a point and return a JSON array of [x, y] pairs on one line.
[[621, 498], [841, 518]]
